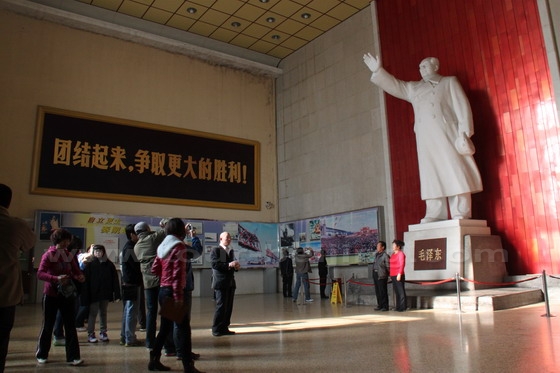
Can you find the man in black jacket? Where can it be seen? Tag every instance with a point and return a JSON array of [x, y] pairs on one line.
[[131, 279], [380, 276], [224, 265]]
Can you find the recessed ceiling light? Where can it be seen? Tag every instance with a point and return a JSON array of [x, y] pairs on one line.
[[271, 20], [275, 37], [191, 10], [264, 1], [305, 15], [236, 24]]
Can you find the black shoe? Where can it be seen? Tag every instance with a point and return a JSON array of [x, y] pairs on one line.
[[377, 309], [191, 369], [226, 332], [195, 356], [155, 364], [384, 309]]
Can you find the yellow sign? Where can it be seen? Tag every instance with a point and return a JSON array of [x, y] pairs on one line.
[[336, 297]]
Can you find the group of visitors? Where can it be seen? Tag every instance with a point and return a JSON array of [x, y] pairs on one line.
[[79, 286], [158, 261], [385, 266]]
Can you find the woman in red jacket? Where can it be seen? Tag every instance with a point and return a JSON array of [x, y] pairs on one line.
[[396, 271], [171, 267]]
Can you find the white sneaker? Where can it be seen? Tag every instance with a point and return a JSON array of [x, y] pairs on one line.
[[309, 300], [41, 361], [91, 338], [76, 362]]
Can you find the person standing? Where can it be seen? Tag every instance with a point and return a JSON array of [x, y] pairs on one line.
[[82, 315], [17, 237], [74, 248], [57, 269], [131, 278], [380, 276], [224, 266], [170, 266], [303, 269], [101, 287], [194, 250], [145, 250], [287, 273], [443, 125], [323, 272], [397, 263]]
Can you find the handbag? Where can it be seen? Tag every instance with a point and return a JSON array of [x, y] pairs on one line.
[[175, 312], [67, 290]]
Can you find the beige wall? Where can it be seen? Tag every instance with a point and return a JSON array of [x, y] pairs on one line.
[[48, 64], [332, 141]]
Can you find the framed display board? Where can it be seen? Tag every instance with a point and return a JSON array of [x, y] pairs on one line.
[[92, 156], [348, 238]]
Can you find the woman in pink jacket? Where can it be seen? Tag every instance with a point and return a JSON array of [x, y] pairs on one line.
[[57, 270], [170, 266], [396, 271]]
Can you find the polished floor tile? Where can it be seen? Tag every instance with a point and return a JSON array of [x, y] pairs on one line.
[[276, 335]]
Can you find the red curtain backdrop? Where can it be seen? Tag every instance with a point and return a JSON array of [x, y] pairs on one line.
[[496, 49]]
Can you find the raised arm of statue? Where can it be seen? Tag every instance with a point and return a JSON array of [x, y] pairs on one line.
[[373, 63]]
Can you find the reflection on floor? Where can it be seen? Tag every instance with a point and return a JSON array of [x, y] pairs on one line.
[[276, 335]]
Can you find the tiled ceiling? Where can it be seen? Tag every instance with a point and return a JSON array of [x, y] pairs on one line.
[[273, 27]]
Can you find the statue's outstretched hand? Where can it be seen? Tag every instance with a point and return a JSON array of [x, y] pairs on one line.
[[374, 63]]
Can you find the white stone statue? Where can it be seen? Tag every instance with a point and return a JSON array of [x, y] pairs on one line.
[[443, 126]]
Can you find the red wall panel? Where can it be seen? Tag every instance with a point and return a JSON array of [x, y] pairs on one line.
[[496, 49]]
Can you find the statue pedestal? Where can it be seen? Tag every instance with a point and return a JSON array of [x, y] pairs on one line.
[[439, 250]]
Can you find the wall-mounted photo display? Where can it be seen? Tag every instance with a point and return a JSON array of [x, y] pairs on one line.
[[348, 238]]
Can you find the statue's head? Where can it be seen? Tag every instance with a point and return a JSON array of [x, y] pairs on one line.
[[428, 67]]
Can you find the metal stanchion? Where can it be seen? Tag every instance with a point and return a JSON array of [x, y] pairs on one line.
[[545, 291], [345, 291], [458, 282]]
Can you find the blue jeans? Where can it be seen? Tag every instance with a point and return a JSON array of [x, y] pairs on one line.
[[129, 318], [301, 277]]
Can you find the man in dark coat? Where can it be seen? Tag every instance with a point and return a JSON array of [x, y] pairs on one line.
[[224, 265]]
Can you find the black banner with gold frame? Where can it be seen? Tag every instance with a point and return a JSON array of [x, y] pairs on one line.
[[92, 156]]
